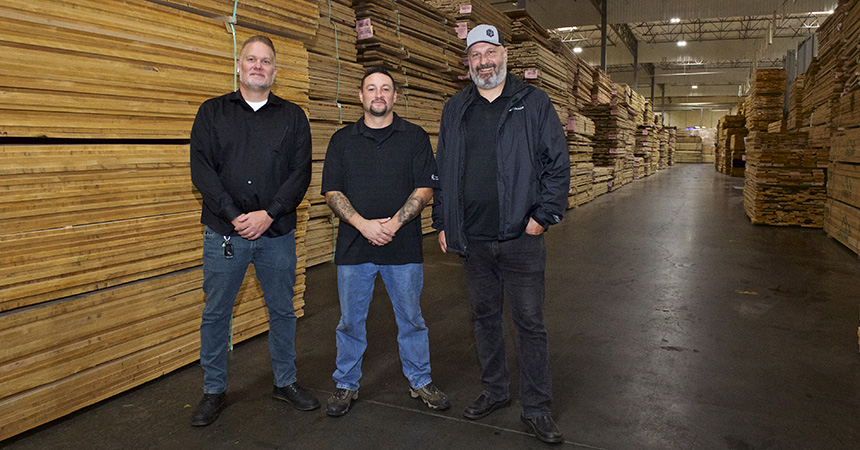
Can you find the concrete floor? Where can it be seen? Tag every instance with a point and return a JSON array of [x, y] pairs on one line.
[[673, 322]]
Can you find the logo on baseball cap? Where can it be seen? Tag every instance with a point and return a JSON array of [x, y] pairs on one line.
[[484, 33]]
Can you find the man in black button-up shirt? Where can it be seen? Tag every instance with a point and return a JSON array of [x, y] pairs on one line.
[[251, 161]]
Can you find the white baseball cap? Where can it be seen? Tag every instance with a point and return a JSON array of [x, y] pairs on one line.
[[484, 33]]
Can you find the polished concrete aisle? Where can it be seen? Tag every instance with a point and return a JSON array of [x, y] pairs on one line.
[[673, 322]]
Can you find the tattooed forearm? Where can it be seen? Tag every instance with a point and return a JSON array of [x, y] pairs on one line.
[[414, 205], [340, 205]]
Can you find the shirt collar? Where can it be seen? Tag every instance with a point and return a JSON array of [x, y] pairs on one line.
[[361, 128], [236, 96]]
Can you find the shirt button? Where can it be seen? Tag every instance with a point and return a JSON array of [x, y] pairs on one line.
[[249, 181]]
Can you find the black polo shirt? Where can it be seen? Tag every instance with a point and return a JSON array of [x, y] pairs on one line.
[[244, 160], [480, 178], [377, 170]]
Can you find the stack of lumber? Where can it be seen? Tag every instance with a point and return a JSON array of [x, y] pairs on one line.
[[540, 66], [525, 28], [138, 90], [648, 117], [335, 76], [824, 80], [419, 44], [613, 140], [778, 126], [101, 286], [646, 145], [842, 211], [765, 101], [580, 130], [784, 181], [849, 101], [583, 83], [728, 155], [637, 103], [602, 180], [688, 147], [470, 13], [601, 90], [795, 104], [663, 144], [672, 144]]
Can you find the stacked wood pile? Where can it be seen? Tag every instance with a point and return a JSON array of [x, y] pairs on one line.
[[335, 76], [824, 81], [764, 103], [101, 286], [778, 126], [730, 157], [671, 144], [842, 211], [602, 180], [613, 141], [784, 182], [544, 68], [688, 147], [663, 144], [646, 145], [470, 13], [583, 83], [795, 104], [580, 130], [601, 90], [848, 115]]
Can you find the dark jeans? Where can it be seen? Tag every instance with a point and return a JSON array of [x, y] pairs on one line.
[[516, 268]]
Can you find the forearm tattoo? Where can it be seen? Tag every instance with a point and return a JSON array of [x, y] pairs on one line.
[[340, 206], [412, 208]]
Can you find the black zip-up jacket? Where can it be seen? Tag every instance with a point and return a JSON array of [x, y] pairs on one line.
[[533, 164]]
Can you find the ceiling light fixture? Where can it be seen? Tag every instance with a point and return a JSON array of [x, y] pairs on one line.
[[577, 49], [682, 43], [822, 13], [674, 20], [694, 86], [566, 29]]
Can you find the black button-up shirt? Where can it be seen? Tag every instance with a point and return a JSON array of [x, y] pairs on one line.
[[244, 160]]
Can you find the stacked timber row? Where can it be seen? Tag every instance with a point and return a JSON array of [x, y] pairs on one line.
[[419, 45], [671, 144], [784, 182], [613, 141], [646, 145], [468, 14], [688, 147], [842, 212], [542, 67], [795, 104], [823, 81], [580, 131], [102, 240], [335, 76], [764, 103], [731, 152]]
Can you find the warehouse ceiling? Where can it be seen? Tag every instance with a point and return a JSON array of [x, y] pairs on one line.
[[725, 41]]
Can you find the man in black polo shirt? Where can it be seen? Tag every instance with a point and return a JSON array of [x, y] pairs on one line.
[[379, 173], [504, 175], [251, 162]]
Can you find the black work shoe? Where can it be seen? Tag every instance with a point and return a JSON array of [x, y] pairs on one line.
[[208, 409], [297, 396], [544, 429], [483, 406], [340, 401], [432, 397]]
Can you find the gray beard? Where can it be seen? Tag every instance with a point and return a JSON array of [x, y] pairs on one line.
[[498, 77]]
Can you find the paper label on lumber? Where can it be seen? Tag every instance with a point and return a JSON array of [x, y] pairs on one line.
[[465, 9], [363, 29], [531, 74], [462, 29]]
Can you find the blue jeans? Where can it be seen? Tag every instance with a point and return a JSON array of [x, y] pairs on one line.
[[355, 287], [274, 260], [516, 268]]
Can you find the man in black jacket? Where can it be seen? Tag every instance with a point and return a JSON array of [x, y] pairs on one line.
[[251, 162], [504, 176]]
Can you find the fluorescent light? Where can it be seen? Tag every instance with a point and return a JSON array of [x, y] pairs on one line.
[[694, 86], [822, 13], [577, 49], [566, 29], [682, 43], [674, 20]]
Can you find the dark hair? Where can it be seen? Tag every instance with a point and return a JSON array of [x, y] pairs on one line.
[[261, 39], [377, 69]]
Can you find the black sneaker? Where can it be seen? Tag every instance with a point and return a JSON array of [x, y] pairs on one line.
[[208, 409], [432, 397], [297, 396], [340, 401]]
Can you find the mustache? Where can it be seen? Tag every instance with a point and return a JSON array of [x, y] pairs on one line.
[[485, 66]]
